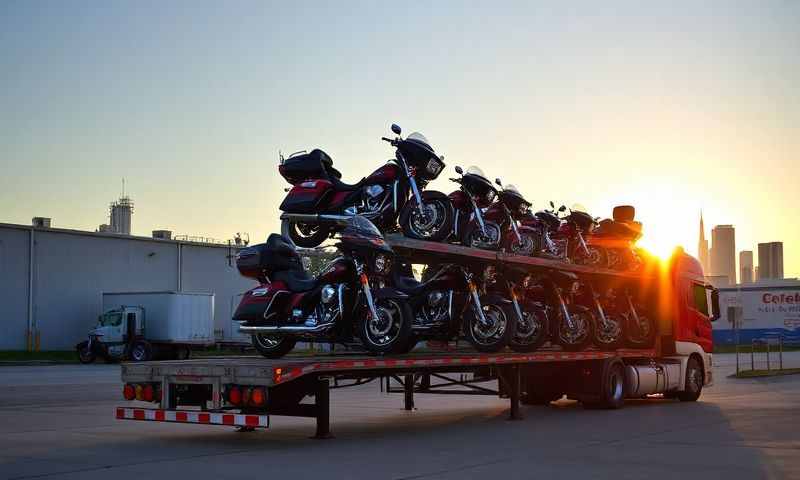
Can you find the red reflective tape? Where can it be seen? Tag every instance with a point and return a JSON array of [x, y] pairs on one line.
[[138, 414], [181, 416], [203, 418], [228, 419], [120, 413], [251, 420], [160, 416]]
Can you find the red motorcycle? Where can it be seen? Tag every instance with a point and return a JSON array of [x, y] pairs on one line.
[[470, 227], [338, 306], [615, 239], [507, 212], [319, 201]]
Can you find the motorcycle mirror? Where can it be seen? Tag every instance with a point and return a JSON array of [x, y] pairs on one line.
[[552, 205], [459, 170], [396, 129], [497, 181]]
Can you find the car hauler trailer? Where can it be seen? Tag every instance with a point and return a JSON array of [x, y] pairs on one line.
[[245, 391]]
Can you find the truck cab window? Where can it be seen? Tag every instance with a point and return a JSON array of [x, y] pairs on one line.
[[699, 299], [111, 319]]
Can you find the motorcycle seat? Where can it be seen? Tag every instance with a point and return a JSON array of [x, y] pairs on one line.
[[296, 280], [408, 285], [340, 186]]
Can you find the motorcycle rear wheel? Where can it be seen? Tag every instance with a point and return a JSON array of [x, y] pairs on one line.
[[304, 235]]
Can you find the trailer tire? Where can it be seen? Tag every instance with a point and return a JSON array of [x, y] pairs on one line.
[[612, 387], [693, 386]]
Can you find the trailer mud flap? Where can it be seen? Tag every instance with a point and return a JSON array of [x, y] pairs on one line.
[[192, 416]]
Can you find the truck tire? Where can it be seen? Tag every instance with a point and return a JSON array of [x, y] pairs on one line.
[[85, 355], [693, 386], [612, 387], [272, 346], [140, 351]]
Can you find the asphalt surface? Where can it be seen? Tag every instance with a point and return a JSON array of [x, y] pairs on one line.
[[58, 422]]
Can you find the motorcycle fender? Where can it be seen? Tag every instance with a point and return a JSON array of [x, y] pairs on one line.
[[389, 293]]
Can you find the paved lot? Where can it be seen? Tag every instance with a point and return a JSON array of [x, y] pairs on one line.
[[57, 422]]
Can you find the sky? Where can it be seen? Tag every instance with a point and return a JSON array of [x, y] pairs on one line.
[[673, 107]]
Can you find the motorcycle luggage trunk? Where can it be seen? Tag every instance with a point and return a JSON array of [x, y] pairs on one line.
[[309, 166], [306, 197], [265, 259]]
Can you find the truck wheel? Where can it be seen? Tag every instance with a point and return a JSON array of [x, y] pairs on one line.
[[694, 381], [612, 387], [85, 355], [141, 351], [272, 346]]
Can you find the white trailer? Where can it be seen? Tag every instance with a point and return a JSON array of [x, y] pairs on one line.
[[145, 325], [756, 312]]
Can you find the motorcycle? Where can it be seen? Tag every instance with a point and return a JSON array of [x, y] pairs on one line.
[[337, 306], [451, 299], [319, 201], [475, 193], [569, 236], [615, 238], [532, 314], [609, 323], [572, 325], [639, 329], [507, 211]]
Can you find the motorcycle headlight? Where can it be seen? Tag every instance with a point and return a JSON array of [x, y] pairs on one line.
[[523, 209], [490, 196], [327, 294], [434, 166], [490, 273], [382, 263]]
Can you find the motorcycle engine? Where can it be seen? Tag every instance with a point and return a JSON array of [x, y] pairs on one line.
[[374, 198]]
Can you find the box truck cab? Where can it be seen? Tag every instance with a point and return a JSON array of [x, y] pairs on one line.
[[144, 326]]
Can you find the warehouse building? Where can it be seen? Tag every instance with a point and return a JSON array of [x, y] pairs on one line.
[[51, 280]]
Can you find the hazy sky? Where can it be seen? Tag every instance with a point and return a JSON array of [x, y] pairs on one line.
[[670, 106]]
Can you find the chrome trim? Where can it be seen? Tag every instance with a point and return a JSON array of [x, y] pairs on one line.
[[284, 328], [269, 305]]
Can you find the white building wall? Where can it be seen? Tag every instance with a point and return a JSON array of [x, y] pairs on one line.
[[14, 245], [72, 269]]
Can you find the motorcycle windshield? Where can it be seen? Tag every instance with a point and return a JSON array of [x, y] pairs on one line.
[[361, 227], [579, 208], [418, 137], [476, 171]]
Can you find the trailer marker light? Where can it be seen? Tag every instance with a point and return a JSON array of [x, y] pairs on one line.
[[235, 395], [128, 392], [277, 374], [147, 393], [258, 397], [139, 392]]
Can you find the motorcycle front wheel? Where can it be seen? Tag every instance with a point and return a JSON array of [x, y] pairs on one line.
[[608, 336], [303, 234], [527, 245], [579, 335], [434, 222], [639, 334], [272, 346], [531, 331], [390, 332], [474, 237], [496, 333]]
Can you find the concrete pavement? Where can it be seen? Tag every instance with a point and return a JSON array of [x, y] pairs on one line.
[[57, 422]]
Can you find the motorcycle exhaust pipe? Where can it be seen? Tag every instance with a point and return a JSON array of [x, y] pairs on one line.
[[315, 218], [283, 328]]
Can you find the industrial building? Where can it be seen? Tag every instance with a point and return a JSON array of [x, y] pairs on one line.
[[51, 279]]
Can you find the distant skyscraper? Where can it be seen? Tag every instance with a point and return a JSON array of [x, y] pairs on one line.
[[723, 252], [770, 260], [702, 248], [746, 266]]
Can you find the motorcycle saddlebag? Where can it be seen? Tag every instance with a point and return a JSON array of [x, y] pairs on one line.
[[308, 166], [262, 300], [267, 258], [306, 196]]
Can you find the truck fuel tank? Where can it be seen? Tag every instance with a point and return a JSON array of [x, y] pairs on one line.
[[647, 379]]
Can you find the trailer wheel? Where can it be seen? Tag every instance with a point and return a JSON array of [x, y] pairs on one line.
[[612, 387], [694, 381]]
